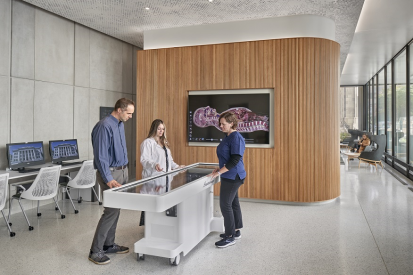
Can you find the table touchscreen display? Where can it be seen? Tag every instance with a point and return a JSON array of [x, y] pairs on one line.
[[169, 182]]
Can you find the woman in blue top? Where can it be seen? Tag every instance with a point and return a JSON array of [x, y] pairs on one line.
[[230, 152]]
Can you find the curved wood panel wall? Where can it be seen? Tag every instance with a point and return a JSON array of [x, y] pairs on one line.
[[304, 164]]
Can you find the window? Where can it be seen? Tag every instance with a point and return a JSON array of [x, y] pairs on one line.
[[411, 102], [400, 104], [374, 103], [389, 114], [380, 104], [349, 118], [371, 106]]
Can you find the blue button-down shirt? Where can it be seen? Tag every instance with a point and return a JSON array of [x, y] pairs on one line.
[[109, 146], [233, 144]]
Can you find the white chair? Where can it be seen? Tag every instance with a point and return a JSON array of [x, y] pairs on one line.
[[85, 178], [4, 186], [44, 187]]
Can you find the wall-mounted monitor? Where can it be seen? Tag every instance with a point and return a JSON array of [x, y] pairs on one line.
[[62, 150], [254, 109], [25, 154]]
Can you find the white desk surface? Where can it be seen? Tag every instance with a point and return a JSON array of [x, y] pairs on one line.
[[15, 176]]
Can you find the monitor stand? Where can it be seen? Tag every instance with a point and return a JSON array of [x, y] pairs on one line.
[[26, 170]]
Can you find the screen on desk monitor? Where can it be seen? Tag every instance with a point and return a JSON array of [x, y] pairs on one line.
[[25, 154], [61, 150]]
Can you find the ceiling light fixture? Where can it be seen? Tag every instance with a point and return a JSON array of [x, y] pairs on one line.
[[210, 1], [147, 8]]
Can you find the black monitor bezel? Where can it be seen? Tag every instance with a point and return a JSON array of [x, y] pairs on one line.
[[24, 164], [65, 158]]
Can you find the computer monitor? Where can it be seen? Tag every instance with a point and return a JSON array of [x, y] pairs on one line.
[[25, 154], [62, 150]]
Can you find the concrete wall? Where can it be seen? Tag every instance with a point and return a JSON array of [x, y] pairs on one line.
[[54, 76]]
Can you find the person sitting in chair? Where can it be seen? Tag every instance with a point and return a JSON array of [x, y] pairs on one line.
[[362, 144]]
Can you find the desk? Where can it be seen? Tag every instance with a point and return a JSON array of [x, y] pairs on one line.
[[19, 178], [16, 177], [179, 210]]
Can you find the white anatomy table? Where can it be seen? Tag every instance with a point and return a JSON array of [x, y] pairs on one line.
[[169, 230]]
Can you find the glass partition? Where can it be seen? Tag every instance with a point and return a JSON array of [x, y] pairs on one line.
[[389, 114], [380, 104], [371, 106], [400, 104], [374, 103], [411, 103], [349, 117]]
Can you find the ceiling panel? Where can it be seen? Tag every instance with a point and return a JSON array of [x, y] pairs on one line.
[[127, 19]]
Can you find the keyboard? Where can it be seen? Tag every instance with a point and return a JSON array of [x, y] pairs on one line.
[[29, 170], [72, 163]]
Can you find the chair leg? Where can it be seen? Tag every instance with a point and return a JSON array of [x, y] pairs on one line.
[[79, 199], [71, 201], [38, 205], [96, 195], [24, 213], [8, 216], [12, 234], [57, 205]]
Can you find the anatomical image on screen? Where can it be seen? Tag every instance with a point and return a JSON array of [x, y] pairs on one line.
[[252, 111]]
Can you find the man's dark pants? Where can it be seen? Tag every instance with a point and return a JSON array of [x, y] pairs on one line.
[[106, 229]]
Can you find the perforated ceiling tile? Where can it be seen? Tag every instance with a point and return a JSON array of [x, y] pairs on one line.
[[127, 19]]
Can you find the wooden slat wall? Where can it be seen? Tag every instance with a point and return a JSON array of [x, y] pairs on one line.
[[304, 164]]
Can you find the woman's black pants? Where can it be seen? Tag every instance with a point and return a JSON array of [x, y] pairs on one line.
[[229, 203]]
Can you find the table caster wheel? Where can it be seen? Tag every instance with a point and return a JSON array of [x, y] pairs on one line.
[[63, 216], [140, 257], [79, 201], [56, 208], [12, 234], [39, 214], [76, 211], [10, 223], [176, 260], [31, 228], [100, 203]]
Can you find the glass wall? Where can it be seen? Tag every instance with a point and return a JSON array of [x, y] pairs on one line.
[[349, 117], [400, 105], [370, 106], [380, 104], [374, 94], [389, 105], [411, 102]]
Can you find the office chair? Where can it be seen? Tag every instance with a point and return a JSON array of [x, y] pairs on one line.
[[4, 178], [85, 178], [44, 187]]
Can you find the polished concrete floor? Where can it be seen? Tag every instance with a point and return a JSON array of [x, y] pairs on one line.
[[368, 230]]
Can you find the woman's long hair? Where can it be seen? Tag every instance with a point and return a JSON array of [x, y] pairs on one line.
[[154, 128]]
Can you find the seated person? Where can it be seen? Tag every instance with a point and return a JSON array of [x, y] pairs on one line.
[[362, 144]]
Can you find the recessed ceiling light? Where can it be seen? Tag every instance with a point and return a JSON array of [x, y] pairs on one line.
[[147, 8], [210, 1]]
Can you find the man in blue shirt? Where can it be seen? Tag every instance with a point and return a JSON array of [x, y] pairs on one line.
[[111, 162]]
